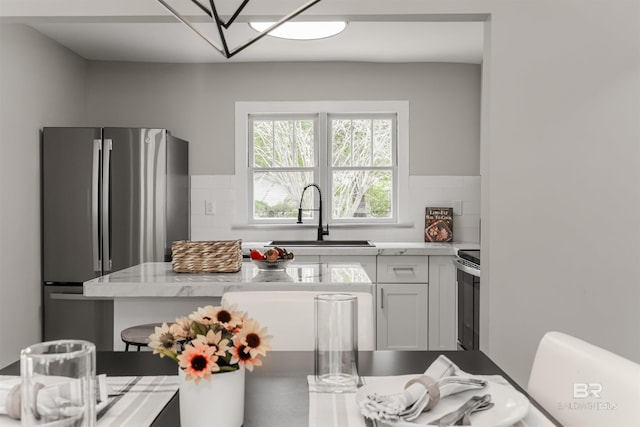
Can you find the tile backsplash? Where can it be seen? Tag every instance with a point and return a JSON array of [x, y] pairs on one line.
[[214, 213]]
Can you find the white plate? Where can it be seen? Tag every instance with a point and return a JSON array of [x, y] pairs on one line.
[[510, 406]]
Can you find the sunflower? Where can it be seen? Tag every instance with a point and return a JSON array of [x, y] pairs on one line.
[[230, 318], [215, 340], [204, 315], [253, 339], [182, 328], [198, 361], [163, 341], [211, 340], [240, 354]]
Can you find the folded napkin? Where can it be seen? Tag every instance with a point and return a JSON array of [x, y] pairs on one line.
[[342, 410], [55, 397], [129, 402], [442, 378]]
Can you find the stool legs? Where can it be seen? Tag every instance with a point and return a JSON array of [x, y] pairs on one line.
[[138, 335]]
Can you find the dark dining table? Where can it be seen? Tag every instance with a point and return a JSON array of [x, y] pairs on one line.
[[277, 393]]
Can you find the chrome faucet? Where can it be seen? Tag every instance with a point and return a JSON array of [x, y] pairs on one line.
[[321, 230]]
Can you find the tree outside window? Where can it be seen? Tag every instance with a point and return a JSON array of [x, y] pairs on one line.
[[357, 180]]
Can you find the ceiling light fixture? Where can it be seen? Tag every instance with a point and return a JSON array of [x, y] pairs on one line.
[[222, 25], [302, 30]]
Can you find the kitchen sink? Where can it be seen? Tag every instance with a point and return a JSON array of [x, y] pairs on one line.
[[365, 243]]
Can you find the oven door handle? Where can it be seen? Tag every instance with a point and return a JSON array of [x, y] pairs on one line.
[[460, 266]]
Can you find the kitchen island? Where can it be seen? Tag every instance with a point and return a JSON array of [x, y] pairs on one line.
[[153, 292]]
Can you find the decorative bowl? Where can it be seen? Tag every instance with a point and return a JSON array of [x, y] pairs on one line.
[[279, 264]]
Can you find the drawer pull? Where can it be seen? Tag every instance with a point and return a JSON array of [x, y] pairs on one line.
[[403, 268]]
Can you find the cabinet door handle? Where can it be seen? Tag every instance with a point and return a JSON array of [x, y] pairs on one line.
[[382, 298]]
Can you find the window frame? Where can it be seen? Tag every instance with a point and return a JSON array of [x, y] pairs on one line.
[[244, 109], [393, 168], [316, 170]]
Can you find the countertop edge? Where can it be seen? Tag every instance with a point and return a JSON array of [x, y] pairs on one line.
[[380, 248], [157, 280]]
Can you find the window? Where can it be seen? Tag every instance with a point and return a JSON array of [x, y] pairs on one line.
[[353, 154], [282, 159], [362, 169]]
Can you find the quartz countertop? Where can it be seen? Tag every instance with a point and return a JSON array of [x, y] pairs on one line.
[[380, 248], [157, 279]]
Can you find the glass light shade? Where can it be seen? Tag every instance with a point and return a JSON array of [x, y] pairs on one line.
[[302, 30]]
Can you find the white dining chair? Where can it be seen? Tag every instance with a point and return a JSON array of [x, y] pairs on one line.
[[583, 385], [289, 317]]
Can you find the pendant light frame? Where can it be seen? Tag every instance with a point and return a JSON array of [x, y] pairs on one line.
[[222, 25]]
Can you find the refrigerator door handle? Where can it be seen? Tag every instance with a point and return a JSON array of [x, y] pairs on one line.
[[107, 146], [95, 194], [76, 297]]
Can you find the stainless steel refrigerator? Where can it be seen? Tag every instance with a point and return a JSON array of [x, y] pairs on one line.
[[111, 198]]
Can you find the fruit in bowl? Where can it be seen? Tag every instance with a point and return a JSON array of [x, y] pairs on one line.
[[275, 258]]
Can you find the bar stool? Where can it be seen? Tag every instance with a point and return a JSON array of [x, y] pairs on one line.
[[138, 335]]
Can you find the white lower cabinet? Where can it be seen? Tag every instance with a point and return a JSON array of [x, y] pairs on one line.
[[442, 303], [402, 316], [415, 299]]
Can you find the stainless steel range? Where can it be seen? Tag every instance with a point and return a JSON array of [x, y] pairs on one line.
[[467, 263]]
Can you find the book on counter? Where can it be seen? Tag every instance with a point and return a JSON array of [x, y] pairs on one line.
[[438, 225]]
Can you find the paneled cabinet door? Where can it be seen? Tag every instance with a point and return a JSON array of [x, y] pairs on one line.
[[402, 316], [442, 303]]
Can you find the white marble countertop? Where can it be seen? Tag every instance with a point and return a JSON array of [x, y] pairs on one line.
[[380, 248], [157, 279]]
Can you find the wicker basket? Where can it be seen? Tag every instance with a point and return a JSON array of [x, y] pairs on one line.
[[222, 256]]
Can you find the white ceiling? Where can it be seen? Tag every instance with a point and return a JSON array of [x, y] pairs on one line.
[[161, 38]]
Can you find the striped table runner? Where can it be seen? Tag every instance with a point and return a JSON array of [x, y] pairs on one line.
[[341, 409], [132, 402], [136, 401]]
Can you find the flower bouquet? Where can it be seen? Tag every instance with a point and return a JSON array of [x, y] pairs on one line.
[[212, 340]]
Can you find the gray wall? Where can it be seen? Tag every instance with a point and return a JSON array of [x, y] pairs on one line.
[[561, 178], [197, 103], [41, 84]]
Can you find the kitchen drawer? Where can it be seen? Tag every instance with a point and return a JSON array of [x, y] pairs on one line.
[[403, 269]]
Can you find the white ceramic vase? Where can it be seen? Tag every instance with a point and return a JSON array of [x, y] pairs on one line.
[[219, 401]]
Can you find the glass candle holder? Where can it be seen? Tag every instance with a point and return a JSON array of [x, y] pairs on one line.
[[58, 383]]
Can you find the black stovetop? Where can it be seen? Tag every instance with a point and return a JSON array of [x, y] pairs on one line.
[[470, 255]]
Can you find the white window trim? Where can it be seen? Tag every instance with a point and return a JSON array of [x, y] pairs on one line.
[[315, 169], [394, 169], [244, 109]]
